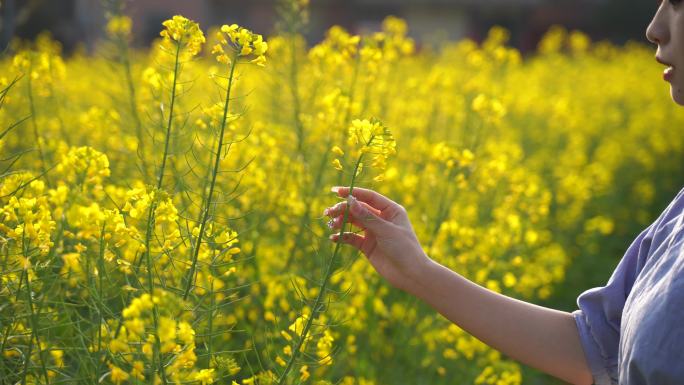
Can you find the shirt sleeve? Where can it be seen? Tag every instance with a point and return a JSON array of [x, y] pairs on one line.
[[600, 312]]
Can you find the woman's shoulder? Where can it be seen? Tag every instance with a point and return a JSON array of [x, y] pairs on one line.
[[672, 212], [662, 233], [680, 195]]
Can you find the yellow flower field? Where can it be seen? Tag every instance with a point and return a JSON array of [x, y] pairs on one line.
[[161, 211]]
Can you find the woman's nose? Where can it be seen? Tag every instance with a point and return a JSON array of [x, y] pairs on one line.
[[657, 32]]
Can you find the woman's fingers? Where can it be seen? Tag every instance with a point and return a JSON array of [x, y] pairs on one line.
[[371, 197], [341, 207], [353, 239], [361, 215], [383, 206], [368, 219], [336, 222]]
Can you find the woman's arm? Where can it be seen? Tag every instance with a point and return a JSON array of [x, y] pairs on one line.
[[540, 337], [543, 338]]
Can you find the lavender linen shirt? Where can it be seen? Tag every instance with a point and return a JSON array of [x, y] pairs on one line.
[[632, 329]]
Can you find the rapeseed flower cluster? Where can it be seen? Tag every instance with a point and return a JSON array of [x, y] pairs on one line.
[[242, 42], [119, 26], [28, 221], [371, 138], [42, 63], [182, 33], [83, 166]]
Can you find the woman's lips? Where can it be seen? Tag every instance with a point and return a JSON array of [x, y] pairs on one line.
[[668, 74]]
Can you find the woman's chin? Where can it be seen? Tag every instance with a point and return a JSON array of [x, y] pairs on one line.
[[677, 94]]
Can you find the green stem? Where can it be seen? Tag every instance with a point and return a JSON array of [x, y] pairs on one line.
[[326, 279], [34, 333], [57, 102], [207, 204], [210, 325], [34, 124], [170, 122], [100, 273], [134, 105], [319, 174], [11, 321], [295, 96], [151, 221], [27, 359], [150, 287]]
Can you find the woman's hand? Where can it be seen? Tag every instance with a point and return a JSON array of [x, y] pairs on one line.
[[519, 329], [388, 239]]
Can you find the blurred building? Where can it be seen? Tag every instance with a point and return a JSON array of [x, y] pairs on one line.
[[74, 21]]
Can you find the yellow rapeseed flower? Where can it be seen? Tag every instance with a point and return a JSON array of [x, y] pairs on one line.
[[118, 375], [184, 33], [205, 376], [304, 373], [119, 26], [239, 41]]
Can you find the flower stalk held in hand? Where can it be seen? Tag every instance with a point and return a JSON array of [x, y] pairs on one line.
[[367, 138]]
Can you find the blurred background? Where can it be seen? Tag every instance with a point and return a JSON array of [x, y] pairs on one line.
[[80, 21], [636, 107]]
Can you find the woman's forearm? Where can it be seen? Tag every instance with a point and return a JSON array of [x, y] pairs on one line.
[[543, 338]]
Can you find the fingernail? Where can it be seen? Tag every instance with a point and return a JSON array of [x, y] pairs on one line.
[[326, 211], [353, 205], [335, 189]]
